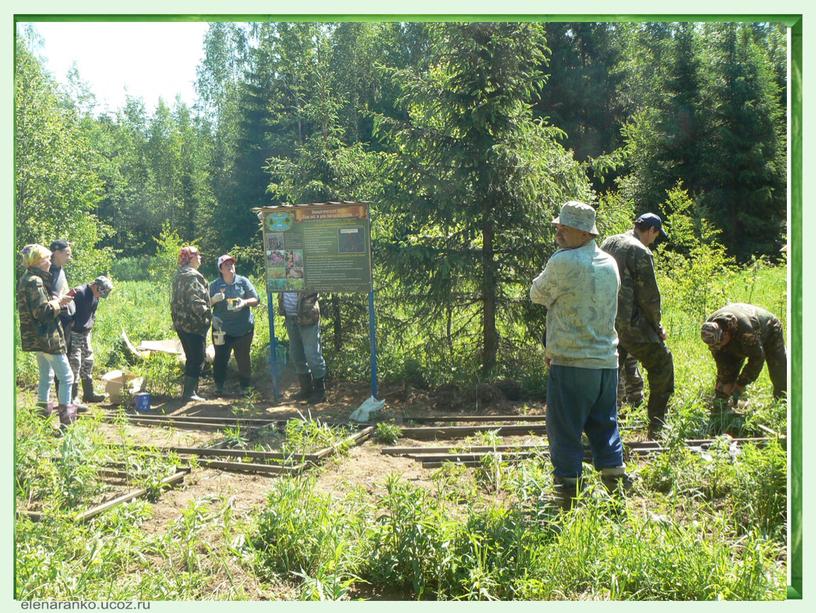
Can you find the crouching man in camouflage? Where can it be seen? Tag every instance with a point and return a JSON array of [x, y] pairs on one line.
[[638, 323], [80, 352], [579, 287], [740, 331]]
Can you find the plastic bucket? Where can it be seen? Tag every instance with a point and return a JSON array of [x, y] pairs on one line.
[[219, 337], [142, 402]]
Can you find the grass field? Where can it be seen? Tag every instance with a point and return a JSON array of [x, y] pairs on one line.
[[697, 526]]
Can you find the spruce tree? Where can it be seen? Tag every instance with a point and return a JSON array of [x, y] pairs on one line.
[[476, 179], [743, 173]]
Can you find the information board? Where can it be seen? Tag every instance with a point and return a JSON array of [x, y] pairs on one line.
[[321, 247]]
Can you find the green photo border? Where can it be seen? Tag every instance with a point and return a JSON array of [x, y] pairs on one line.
[[795, 255]]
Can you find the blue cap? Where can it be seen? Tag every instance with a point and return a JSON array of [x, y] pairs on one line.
[[650, 220]]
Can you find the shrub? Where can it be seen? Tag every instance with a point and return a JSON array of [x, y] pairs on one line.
[[759, 490], [386, 433], [300, 533], [161, 371], [164, 263], [131, 268]]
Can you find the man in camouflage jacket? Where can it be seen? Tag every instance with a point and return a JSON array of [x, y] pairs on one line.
[[640, 332], [743, 331]]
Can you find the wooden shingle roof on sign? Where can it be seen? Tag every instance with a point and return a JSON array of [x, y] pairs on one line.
[[277, 207]]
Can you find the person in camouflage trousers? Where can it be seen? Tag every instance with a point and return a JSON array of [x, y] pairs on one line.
[[743, 331], [41, 331], [190, 309], [638, 320], [80, 351], [630, 382]]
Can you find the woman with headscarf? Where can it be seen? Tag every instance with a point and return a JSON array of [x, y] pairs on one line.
[[190, 308], [42, 333]]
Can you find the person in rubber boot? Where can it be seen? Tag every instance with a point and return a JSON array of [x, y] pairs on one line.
[[302, 317], [190, 309], [579, 286], [638, 322], [80, 352]]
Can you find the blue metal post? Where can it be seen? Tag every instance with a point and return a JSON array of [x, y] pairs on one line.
[[273, 346], [372, 339]]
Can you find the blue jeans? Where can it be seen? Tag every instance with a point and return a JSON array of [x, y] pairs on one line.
[[51, 364], [304, 348], [582, 400]]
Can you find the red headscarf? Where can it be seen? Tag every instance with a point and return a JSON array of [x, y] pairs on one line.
[[186, 254]]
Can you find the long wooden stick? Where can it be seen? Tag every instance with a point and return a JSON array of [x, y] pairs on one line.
[[93, 512], [207, 419], [449, 449], [355, 439], [473, 455], [175, 422]]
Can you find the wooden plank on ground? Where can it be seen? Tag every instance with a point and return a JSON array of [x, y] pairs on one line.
[[449, 448], [247, 467], [229, 420], [93, 512], [357, 438], [229, 453], [429, 432], [476, 418]]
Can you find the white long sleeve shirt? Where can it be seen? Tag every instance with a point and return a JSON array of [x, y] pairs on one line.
[[579, 287]]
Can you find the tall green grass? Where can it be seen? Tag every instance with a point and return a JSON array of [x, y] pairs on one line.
[[407, 543]]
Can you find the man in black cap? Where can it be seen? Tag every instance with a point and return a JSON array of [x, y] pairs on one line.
[[80, 354], [638, 320]]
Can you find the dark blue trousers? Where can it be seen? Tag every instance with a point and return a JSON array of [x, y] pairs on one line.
[[582, 400]]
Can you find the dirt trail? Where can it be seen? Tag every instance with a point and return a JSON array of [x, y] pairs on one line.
[[243, 493]]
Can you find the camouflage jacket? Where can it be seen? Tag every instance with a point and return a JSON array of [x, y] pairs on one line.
[[638, 319], [753, 331], [308, 308], [190, 301], [40, 328], [579, 287]]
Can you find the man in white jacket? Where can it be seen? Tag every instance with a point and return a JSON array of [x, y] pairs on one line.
[[579, 287]]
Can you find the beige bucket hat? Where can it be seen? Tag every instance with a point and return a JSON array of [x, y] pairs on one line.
[[579, 216]]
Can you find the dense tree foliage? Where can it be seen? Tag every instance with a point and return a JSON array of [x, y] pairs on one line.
[[465, 138], [476, 178], [57, 187]]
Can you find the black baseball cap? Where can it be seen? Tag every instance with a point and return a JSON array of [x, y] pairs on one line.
[[650, 220]]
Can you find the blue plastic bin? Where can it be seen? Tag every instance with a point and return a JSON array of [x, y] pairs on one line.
[[142, 402]]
